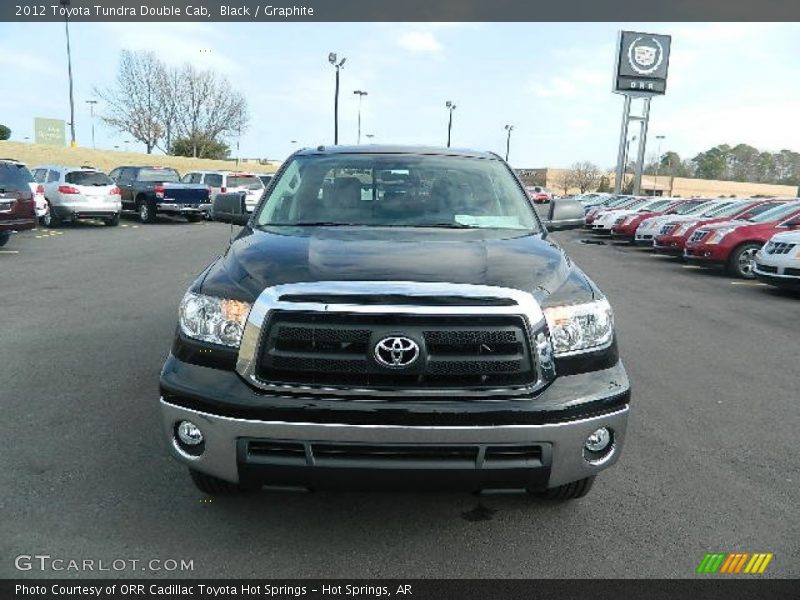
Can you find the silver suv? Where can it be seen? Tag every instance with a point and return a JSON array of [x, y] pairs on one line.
[[74, 193]]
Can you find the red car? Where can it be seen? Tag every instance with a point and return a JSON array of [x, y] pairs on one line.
[[538, 194], [625, 227], [619, 203], [734, 244], [673, 236], [17, 208]]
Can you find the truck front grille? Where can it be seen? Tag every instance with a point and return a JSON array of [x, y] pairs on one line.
[[337, 350]]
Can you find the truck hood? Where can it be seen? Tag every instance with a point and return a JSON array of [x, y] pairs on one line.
[[258, 259]]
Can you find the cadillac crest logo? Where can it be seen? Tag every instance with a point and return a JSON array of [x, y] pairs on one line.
[[645, 55]]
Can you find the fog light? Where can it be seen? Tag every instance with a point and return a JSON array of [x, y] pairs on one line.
[[189, 433], [598, 440]]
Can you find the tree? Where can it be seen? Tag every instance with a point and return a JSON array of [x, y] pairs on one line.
[[5, 132], [604, 185], [585, 176], [208, 109], [712, 164], [565, 180], [134, 104], [200, 148]]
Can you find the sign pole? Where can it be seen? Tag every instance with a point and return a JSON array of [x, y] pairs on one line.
[[637, 184], [623, 138]]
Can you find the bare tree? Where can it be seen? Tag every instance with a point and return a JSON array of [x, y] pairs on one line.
[[134, 104], [207, 108], [565, 180], [585, 176]]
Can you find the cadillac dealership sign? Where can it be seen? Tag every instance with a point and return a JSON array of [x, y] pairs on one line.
[[642, 63]]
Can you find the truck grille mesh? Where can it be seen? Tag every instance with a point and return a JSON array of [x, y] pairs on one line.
[[336, 350]]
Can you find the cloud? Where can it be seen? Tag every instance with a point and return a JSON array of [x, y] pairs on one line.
[[419, 41]]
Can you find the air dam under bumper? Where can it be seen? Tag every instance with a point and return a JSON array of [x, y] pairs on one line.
[[560, 458]]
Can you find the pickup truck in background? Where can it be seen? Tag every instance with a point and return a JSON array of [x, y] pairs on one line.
[[157, 190]]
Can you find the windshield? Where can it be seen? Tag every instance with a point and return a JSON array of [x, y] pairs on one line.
[[718, 210], [692, 208], [730, 210], [158, 175], [654, 206], [777, 213], [87, 178], [397, 190], [250, 182]]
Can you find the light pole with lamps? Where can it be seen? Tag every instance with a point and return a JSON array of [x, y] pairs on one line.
[[658, 162], [91, 104], [450, 107], [73, 143], [509, 129], [360, 94], [332, 58]]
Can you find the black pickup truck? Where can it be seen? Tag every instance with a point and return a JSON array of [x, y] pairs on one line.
[[153, 190], [395, 317]]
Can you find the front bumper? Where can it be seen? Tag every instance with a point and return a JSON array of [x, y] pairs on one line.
[[558, 422], [671, 245], [706, 253], [782, 272]]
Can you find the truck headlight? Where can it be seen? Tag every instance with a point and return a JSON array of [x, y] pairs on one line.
[[580, 327], [211, 319]]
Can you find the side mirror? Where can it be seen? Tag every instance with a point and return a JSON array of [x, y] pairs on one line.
[[565, 213], [230, 208], [793, 224]]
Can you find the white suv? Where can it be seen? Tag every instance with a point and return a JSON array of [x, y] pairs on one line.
[[778, 262], [74, 193], [221, 182]]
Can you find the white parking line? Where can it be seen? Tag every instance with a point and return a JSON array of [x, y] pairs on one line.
[[9, 251], [691, 266], [750, 283]]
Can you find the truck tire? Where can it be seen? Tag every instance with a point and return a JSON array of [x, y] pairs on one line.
[[569, 491], [741, 261], [4, 237], [146, 210]]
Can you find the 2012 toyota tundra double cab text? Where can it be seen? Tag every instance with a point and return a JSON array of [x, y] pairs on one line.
[[394, 317]]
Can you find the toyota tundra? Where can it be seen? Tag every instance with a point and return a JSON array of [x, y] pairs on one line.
[[395, 317]]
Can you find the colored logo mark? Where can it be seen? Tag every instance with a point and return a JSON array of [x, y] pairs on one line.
[[735, 562]]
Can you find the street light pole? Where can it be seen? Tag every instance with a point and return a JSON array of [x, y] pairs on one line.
[[91, 104], [73, 143], [509, 129], [658, 162], [450, 107], [361, 95], [332, 58]]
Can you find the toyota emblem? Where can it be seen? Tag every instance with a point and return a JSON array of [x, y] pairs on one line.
[[396, 352]]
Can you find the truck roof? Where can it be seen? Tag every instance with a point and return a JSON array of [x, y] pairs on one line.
[[398, 149]]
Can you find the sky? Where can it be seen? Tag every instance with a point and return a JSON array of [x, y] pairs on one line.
[[728, 83]]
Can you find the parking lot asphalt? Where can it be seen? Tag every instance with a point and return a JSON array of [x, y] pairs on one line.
[[88, 315]]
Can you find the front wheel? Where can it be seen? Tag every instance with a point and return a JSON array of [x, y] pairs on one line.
[[568, 491], [4, 237], [113, 221], [743, 260]]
